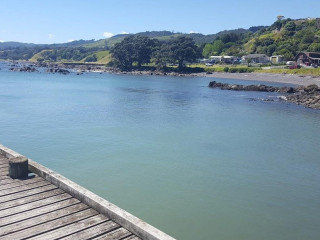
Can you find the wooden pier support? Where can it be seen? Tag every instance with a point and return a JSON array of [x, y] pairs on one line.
[[18, 167]]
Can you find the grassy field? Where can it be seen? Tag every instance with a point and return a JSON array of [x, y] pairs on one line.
[[244, 68], [103, 57], [38, 55], [301, 71], [225, 68]]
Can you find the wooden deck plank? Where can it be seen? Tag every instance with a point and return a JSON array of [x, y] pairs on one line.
[[132, 237], [32, 198], [76, 226], [38, 211], [117, 234], [9, 180], [94, 231], [42, 219], [20, 183], [26, 193], [33, 205], [4, 177], [4, 160], [50, 226], [4, 167], [23, 188]]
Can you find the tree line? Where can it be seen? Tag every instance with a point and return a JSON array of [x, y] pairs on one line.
[[136, 50]]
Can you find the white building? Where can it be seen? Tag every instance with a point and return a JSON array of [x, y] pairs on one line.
[[256, 58]]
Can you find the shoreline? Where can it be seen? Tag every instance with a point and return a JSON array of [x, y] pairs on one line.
[[303, 80], [300, 80]]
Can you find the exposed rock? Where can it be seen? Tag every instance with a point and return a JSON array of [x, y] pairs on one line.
[[58, 70], [23, 69], [308, 96]]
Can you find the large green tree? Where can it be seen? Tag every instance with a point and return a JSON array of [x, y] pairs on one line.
[[132, 49], [179, 50], [184, 49]]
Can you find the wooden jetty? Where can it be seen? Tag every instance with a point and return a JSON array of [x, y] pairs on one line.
[[46, 205]]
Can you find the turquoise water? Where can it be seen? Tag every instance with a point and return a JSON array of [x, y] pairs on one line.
[[195, 162]]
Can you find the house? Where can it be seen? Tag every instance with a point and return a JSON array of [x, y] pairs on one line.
[[276, 59], [206, 61], [256, 58], [308, 58], [228, 59], [216, 58], [224, 59]]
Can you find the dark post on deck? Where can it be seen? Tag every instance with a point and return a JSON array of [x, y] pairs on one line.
[[18, 167]]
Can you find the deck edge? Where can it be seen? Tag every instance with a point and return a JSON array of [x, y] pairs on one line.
[[115, 213]]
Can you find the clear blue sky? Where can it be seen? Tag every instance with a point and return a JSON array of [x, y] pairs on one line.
[[48, 21]]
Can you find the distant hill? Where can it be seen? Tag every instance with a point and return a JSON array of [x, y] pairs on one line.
[[284, 36], [10, 45]]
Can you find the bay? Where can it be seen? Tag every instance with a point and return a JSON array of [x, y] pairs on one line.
[[195, 162]]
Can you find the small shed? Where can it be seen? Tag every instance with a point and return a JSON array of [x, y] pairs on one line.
[[276, 59]]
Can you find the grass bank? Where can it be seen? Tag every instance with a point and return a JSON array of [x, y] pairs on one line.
[[301, 71]]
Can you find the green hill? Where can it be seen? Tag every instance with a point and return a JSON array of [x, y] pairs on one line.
[[284, 37]]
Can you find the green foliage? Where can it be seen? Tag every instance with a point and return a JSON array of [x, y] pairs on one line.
[[308, 37], [91, 58], [285, 36], [132, 49], [207, 50], [314, 47], [290, 26], [179, 50], [217, 47]]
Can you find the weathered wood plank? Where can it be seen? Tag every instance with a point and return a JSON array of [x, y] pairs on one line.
[[117, 234], [9, 180], [94, 231], [132, 237], [38, 211], [23, 188], [42, 219], [32, 198], [4, 167], [4, 160], [76, 226], [26, 193], [50, 226], [33, 205], [21, 183], [4, 177]]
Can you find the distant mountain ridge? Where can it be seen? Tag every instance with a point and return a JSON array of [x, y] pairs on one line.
[[199, 38], [284, 37]]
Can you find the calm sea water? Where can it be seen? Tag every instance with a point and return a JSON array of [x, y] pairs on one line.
[[195, 162]]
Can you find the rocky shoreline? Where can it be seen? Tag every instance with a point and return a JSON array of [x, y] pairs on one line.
[[308, 96], [80, 69]]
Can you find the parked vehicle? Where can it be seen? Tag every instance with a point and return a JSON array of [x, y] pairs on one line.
[[294, 67], [291, 63]]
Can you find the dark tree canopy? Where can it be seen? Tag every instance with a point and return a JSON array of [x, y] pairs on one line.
[[133, 49], [184, 49], [179, 50]]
